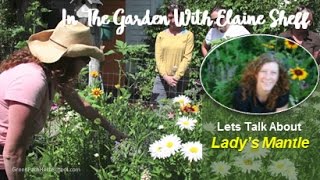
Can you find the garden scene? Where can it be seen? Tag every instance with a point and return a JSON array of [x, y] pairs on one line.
[[172, 140]]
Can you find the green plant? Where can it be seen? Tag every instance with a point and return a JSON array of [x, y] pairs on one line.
[[140, 68], [14, 34]]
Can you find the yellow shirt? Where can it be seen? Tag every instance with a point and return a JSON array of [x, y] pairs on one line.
[[173, 53]]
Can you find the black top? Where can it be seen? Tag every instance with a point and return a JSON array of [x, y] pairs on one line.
[[248, 104]]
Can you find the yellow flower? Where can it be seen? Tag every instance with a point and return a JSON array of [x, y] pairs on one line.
[[269, 46], [298, 73], [290, 44], [96, 92], [195, 108], [117, 86], [94, 74], [190, 108]]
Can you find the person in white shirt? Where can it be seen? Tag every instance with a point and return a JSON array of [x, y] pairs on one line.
[[221, 32]]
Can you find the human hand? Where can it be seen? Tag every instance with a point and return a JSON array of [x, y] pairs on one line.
[[113, 131], [170, 80]]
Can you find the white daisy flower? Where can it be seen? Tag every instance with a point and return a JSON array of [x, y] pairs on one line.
[[186, 123], [255, 152], [291, 174], [160, 127], [192, 151], [170, 144], [247, 164], [182, 100], [284, 168], [96, 155], [156, 150], [221, 168]]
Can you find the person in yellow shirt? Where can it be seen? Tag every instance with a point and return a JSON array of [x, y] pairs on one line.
[[173, 53]]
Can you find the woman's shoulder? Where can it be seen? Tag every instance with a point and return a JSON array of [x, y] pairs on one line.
[[186, 32], [29, 68], [31, 72]]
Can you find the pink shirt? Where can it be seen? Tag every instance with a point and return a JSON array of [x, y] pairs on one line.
[[25, 83]]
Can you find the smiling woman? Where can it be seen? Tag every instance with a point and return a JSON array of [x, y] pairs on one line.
[[264, 86], [259, 74]]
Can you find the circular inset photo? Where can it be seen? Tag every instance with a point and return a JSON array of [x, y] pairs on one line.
[[259, 74]]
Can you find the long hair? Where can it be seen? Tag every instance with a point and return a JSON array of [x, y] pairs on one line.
[[249, 81], [19, 57], [61, 70]]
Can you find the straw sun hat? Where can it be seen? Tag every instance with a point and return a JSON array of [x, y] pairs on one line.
[[65, 40]]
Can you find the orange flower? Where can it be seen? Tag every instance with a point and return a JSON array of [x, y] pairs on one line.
[[94, 74], [190, 108], [290, 44], [298, 73], [96, 92], [269, 46], [117, 86]]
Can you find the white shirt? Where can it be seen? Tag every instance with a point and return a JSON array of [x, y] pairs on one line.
[[232, 31]]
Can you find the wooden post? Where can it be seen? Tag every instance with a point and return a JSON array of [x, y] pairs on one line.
[[94, 64]]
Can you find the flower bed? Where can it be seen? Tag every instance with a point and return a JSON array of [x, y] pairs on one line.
[[162, 143]]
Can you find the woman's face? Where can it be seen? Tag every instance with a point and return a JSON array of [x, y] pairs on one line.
[[214, 16], [80, 62], [171, 20], [267, 77], [74, 65]]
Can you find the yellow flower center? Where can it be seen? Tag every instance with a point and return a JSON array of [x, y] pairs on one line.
[[186, 123], [169, 144], [221, 168], [248, 162], [280, 166], [254, 149], [194, 149]]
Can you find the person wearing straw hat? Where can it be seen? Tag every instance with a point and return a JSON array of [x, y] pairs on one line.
[[29, 79]]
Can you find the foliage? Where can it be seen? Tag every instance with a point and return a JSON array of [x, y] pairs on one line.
[[227, 62], [14, 34], [66, 147], [140, 68], [70, 142]]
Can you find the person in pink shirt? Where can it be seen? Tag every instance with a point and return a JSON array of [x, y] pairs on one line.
[[28, 80]]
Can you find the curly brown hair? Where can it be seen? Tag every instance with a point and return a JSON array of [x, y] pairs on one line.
[[249, 81], [19, 57], [62, 70]]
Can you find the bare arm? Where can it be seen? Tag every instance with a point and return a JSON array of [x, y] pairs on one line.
[[86, 110], [14, 153], [204, 48]]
